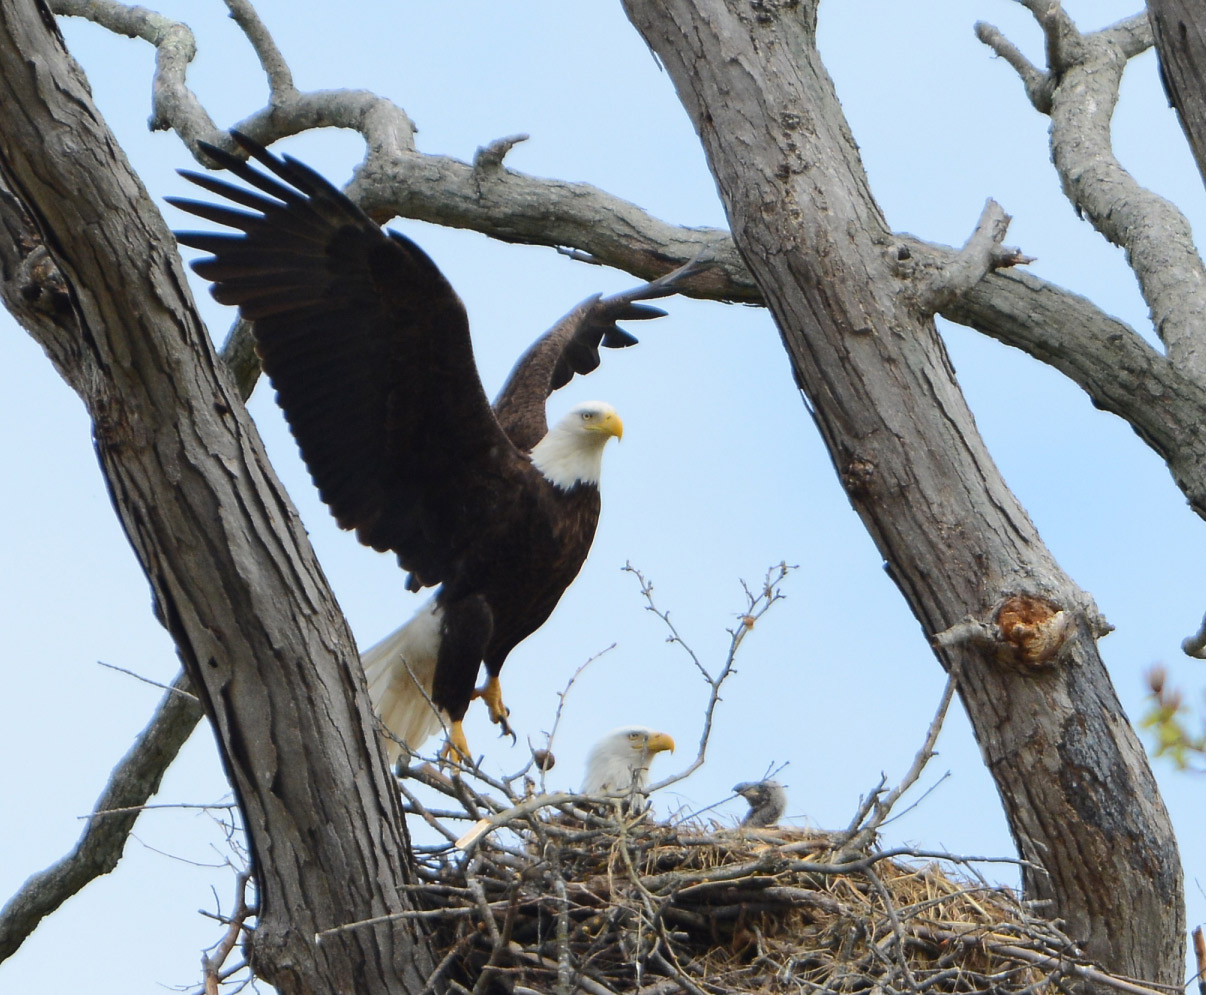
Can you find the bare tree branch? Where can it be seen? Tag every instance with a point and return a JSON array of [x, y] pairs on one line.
[[174, 105], [757, 605], [1119, 371], [136, 777], [280, 77], [1038, 83], [1154, 232], [980, 255], [862, 830]]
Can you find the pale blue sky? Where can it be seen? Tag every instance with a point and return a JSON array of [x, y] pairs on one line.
[[720, 473]]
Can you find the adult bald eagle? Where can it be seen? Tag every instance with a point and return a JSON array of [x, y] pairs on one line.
[[619, 762], [368, 348]]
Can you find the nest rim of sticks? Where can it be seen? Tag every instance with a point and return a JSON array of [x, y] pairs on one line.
[[561, 893]]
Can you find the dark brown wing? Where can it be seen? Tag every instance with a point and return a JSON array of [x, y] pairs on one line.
[[368, 348], [572, 346]]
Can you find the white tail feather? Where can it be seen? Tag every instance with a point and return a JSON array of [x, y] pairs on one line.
[[392, 668]]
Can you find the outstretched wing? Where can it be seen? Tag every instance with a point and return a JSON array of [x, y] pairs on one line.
[[572, 347], [368, 348]]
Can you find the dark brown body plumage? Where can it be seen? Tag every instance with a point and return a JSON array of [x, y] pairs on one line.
[[368, 348]]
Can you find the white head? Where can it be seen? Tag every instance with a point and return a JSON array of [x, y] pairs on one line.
[[572, 452], [619, 762]]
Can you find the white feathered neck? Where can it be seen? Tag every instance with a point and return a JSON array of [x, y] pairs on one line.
[[619, 762], [572, 451]]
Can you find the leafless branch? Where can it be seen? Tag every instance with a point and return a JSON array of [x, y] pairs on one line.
[[212, 964], [135, 778], [1195, 645], [1133, 35], [1038, 83], [128, 809], [280, 78], [491, 156], [757, 604], [174, 105], [561, 696], [1153, 231], [147, 680], [982, 253], [874, 811], [898, 933]]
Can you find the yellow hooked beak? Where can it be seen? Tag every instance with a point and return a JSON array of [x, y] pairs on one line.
[[610, 424], [659, 741]]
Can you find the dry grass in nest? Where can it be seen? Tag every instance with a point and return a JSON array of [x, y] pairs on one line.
[[578, 900], [561, 893]]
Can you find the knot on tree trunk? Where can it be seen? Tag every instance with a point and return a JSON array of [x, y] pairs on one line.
[[1027, 632], [1033, 630]]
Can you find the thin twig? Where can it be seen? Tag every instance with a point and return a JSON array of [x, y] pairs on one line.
[[757, 605], [211, 966], [877, 811], [146, 680]]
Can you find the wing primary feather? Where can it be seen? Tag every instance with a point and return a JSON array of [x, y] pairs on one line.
[[368, 348], [637, 312], [247, 173], [240, 195], [208, 241], [216, 213], [617, 338], [569, 348]]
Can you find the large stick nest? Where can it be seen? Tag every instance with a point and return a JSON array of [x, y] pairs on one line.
[[551, 896]]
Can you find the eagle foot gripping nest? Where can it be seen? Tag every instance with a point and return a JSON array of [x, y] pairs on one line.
[[572, 898]]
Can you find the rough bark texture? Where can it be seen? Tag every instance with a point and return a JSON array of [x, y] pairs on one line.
[[89, 267], [1016, 632], [1180, 30]]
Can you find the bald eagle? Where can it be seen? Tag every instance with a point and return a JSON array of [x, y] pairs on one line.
[[619, 762], [368, 348]]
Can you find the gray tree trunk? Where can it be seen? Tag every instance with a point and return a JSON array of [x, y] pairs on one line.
[[1180, 30], [88, 266], [855, 315]]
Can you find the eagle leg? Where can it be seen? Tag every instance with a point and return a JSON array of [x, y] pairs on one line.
[[456, 747], [491, 694]]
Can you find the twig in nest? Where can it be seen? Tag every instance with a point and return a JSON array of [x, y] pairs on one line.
[[873, 812], [561, 696], [898, 932]]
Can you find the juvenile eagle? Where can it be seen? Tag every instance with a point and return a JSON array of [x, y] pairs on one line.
[[368, 348], [768, 802]]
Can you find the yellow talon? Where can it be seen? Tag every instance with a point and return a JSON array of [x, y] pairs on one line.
[[491, 694], [456, 748]]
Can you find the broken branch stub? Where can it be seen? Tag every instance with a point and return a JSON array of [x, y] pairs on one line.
[[1026, 632]]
